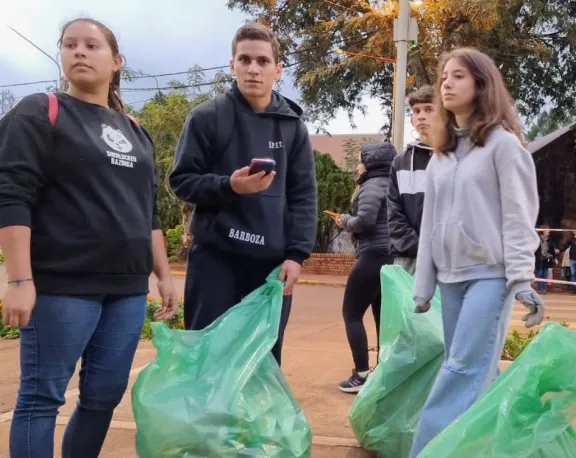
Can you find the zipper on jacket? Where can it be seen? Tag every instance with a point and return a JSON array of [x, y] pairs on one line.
[[451, 207]]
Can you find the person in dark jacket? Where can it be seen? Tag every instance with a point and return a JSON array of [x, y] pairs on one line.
[[368, 225], [245, 225], [570, 244], [545, 258], [407, 178], [81, 234]]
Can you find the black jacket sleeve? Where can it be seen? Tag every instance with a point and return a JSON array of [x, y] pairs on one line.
[[369, 203], [403, 237], [156, 222], [301, 195], [25, 146], [192, 179]]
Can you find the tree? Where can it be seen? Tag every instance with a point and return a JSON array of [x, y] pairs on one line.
[[550, 121], [352, 147], [532, 41], [335, 188], [163, 117], [7, 101]]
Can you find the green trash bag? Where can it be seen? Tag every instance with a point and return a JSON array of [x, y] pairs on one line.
[[528, 412], [219, 392], [385, 414]]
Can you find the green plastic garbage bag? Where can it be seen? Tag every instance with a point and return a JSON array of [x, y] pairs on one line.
[[219, 392], [385, 414], [528, 412]]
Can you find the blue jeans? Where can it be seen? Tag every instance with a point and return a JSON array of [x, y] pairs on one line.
[[542, 272], [475, 316], [573, 272], [104, 332]]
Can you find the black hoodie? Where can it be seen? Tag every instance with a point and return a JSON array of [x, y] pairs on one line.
[[273, 225], [406, 199]]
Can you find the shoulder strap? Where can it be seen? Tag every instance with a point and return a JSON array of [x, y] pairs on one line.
[[224, 130], [134, 120], [289, 134], [52, 108]]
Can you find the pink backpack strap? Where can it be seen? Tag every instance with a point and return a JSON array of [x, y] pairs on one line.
[[134, 120], [52, 108]]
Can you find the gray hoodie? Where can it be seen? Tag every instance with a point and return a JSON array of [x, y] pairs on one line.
[[480, 210]]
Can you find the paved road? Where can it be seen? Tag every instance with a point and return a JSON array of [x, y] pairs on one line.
[[316, 359]]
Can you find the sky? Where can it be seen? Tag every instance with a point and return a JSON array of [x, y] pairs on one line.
[[156, 36]]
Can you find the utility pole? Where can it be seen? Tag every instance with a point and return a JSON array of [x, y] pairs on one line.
[[401, 31], [60, 81], [405, 32]]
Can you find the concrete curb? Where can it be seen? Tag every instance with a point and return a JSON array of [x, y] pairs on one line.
[[322, 283], [304, 281]]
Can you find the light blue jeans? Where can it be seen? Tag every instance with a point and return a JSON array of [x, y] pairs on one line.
[[475, 315]]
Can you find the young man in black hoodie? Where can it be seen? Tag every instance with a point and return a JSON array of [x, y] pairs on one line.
[[406, 195], [244, 225]]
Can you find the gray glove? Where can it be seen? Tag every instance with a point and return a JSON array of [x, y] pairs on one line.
[[422, 308], [533, 302]]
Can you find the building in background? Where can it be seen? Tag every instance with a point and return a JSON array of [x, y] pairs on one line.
[[339, 145], [555, 159]]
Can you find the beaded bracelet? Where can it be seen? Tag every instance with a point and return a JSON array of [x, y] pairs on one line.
[[22, 280]]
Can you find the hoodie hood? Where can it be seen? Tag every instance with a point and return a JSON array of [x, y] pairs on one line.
[[377, 156], [280, 106]]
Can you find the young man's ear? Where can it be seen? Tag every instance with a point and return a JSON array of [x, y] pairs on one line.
[[232, 67], [279, 71]]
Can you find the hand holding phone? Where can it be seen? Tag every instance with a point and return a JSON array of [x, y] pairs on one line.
[[253, 179], [259, 164], [332, 215]]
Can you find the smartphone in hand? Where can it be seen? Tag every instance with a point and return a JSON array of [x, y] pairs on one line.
[[331, 214], [259, 164]]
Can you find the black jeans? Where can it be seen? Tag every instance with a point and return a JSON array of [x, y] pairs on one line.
[[215, 282], [363, 291]]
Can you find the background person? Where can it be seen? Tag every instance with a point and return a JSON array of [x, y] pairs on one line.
[[368, 225], [407, 180]]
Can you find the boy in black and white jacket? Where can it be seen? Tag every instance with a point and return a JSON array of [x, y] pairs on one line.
[[407, 177]]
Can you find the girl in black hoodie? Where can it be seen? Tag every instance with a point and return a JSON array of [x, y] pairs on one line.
[[368, 225]]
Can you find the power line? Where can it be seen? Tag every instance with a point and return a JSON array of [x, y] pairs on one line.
[[31, 83], [27, 84], [158, 75], [169, 88]]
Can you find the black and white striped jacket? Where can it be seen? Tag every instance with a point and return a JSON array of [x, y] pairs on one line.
[[406, 199]]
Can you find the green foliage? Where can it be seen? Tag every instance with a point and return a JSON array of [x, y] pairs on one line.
[[164, 117], [335, 188], [550, 121], [1, 258], [175, 242], [532, 41], [177, 322], [516, 343]]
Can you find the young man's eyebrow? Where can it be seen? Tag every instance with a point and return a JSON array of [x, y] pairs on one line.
[[254, 57]]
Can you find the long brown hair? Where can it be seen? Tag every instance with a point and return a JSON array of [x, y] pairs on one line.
[[114, 98], [493, 105]]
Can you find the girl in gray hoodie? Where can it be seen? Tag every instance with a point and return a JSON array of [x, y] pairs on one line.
[[477, 239]]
